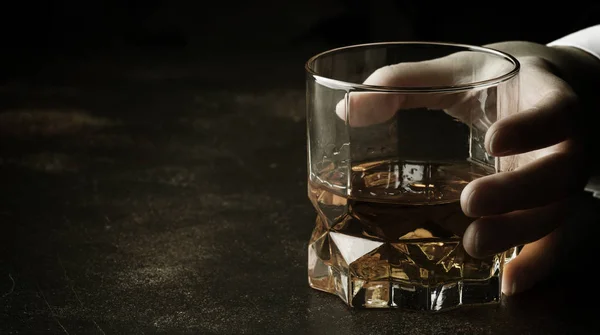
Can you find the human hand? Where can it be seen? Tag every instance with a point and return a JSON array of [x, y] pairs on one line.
[[525, 206]]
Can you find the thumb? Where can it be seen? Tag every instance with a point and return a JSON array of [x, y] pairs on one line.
[[534, 263]]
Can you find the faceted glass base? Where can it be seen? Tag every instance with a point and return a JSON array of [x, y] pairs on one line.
[[414, 274]]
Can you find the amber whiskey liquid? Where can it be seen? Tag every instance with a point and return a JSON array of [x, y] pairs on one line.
[[393, 237]]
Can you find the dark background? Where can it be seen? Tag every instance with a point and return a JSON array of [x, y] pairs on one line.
[[153, 167], [250, 34]]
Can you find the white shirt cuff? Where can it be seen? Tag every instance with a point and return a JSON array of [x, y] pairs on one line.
[[587, 39]]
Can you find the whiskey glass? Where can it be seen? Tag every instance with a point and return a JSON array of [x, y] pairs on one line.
[[395, 132]]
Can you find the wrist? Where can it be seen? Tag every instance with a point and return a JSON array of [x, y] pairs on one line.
[[581, 70], [578, 68]]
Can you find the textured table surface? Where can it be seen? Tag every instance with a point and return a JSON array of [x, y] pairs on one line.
[[164, 197]]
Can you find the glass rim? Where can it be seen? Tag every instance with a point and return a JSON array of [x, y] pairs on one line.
[[340, 84]]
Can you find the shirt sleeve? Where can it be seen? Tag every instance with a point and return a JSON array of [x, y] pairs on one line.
[[587, 39]]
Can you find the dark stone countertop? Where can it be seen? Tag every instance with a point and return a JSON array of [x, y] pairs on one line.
[[136, 199]]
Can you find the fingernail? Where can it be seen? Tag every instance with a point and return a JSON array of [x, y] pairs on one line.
[[479, 246], [495, 150], [508, 289], [476, 244], [340, 109], [470, 206]]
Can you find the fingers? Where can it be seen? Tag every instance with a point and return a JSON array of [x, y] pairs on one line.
[[534, 263], [367, 108], [545, 180], [493, 234], [549, 121]]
